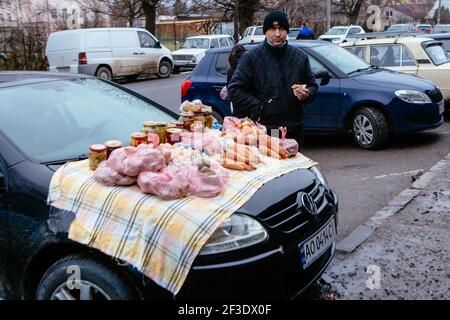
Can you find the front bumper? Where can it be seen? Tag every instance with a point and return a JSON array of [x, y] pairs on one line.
[[274, 272], [179, 63], [409, 118]]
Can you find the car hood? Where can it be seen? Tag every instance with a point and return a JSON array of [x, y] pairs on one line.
[[331, 37], [277, 191], [192, 51], [395, 80]]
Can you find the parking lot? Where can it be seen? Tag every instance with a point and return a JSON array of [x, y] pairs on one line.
[[365, 181]]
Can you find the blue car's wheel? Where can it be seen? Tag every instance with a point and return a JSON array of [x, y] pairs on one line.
[[370, 128]]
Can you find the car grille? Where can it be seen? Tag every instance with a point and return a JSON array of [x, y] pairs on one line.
[[289, 218], [435, 95], [183, 57]]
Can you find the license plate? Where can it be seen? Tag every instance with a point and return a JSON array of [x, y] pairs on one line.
[[317, 244]]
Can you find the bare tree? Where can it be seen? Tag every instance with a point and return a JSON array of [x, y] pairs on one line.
[[128, 10], [349, 8]]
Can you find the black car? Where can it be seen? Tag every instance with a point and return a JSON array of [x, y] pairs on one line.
[[47, 120]]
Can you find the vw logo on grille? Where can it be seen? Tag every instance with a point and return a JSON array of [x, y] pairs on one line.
[[304, 200]]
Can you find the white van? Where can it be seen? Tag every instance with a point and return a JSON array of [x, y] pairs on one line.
[[108, 53]]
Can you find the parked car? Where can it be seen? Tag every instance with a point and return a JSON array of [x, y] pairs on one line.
[[339, 34], [293, 33], [423, 57], [252, 34], [39, 135], [424, 28], [354, 97], [193, 49], [444, 38], [441, 28], [108, 53], [406, 28]]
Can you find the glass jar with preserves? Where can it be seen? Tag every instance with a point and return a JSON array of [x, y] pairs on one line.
[[138, 138], [207, 113], [199, 118], [173, 135], [162, 131], [112, 145], [187, 118], [156, 128], [97, 154]]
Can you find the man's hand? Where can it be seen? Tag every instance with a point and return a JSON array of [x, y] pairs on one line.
[[300, 91]]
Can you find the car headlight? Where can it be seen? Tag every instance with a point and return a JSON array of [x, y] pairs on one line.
[[321, 178], [238, 231], [412, 96], [194, 59]]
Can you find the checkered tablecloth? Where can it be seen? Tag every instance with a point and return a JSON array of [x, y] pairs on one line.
[[160, 238]]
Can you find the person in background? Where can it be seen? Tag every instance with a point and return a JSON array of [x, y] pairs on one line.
[[233, 60], [305, 33], [273, 81]]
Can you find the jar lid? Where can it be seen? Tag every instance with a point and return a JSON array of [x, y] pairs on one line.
[[139, 135], [97, 147], [174, 130], [207, 109], [151, 123], [171, 125], [113, 144], [187, 113]]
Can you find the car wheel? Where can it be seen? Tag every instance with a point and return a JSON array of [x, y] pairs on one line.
[[104, 73], [217, 117], [165, 69], [97, 281], [370, 128]]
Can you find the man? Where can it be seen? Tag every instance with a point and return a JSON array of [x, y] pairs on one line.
[[261, 87], [305, 33]]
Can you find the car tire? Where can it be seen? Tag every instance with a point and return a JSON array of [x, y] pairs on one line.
[[104, 73], [369, 128], [98, 280], [217, 117], [164, 69]]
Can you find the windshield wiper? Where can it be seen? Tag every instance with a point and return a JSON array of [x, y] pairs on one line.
[[363, 69], [62, 161]]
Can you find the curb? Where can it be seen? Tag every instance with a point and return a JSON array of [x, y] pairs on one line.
[[365, 230]]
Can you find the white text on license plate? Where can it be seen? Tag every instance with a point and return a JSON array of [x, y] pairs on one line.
[[317, 244]]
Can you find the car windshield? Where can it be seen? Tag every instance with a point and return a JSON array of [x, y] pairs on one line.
[[198, 43], [336, 31], [398, 28], [293, 32], [437, 54], [258, 32], [342, 59], [63, 118]]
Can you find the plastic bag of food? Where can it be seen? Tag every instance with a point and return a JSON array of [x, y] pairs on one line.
[[208, 181], [108, 177], [230, 125], [131, 161], [168, 184], [291, 146]]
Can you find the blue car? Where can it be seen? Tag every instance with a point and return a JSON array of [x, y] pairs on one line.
[[354, 97]]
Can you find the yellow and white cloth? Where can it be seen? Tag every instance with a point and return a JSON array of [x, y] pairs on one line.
[[160, 238]]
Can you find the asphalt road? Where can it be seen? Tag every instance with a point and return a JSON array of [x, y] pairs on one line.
[[365, 181]]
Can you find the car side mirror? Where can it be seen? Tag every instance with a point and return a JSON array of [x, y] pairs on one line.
[[158, 44], [322, 74]]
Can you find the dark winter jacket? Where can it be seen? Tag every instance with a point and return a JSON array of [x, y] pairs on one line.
[[261, 86]]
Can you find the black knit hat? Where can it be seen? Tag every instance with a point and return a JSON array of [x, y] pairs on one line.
[[274, 19]]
